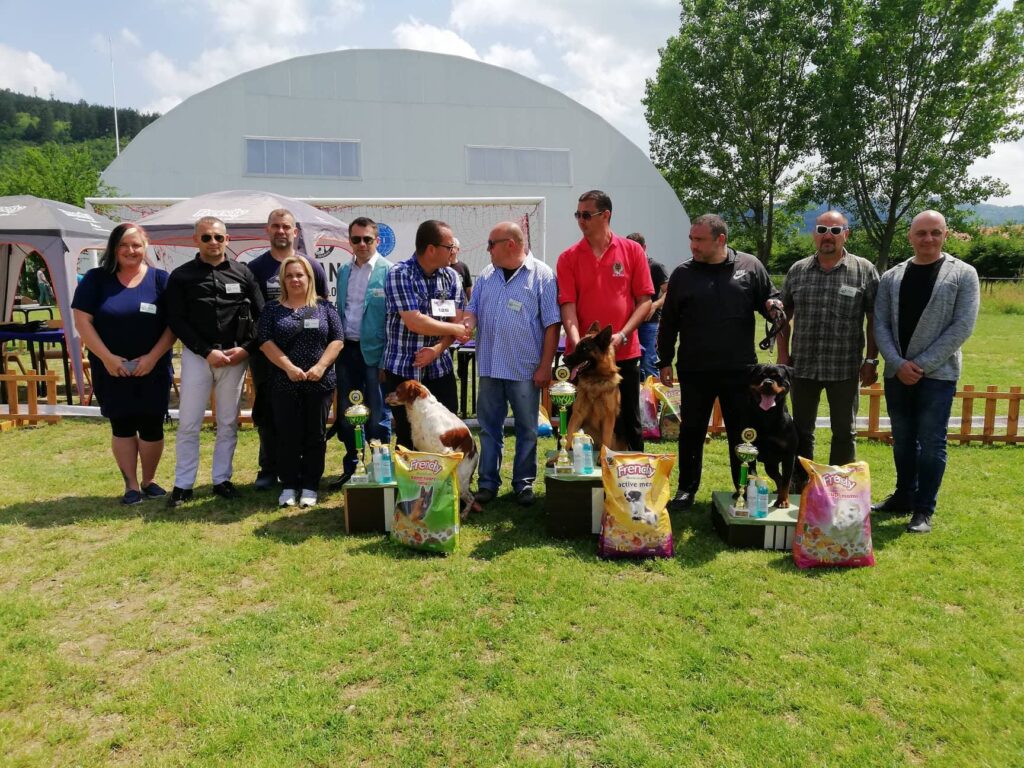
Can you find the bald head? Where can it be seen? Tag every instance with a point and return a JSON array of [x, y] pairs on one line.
[[927, 234], [505, 242]]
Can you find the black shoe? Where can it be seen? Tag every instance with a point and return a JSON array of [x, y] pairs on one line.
[[921, 522], [483, 496], [681, 502], [131, 497], [226, 490], [336, 484], [179, 496], [892, 503], [153, 491], [265, 482], [525, 497]]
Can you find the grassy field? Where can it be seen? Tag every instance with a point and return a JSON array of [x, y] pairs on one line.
[[240, 634]]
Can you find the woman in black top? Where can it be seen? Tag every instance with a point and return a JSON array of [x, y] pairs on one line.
[[301, 335]]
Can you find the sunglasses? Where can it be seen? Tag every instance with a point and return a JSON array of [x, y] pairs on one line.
[[218, 238], [356, 239], [586, 215], [492, 243], [837, 230]]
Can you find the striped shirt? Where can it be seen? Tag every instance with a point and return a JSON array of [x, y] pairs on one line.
[[410, 289], [511, 318], [829, 311]]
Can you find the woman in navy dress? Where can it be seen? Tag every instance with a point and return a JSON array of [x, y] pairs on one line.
[[301, 335], [120, 314]]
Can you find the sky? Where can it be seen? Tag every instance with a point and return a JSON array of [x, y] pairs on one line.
[[598, 52]]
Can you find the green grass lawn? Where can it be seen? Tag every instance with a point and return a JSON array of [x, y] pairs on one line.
[[240, 634]]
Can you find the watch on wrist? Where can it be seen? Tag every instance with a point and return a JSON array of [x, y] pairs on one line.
[[871, 361]]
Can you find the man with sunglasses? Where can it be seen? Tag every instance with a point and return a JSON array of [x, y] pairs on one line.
[[829, 297], [213, 305], [424, 302], [361, 305], [514, 310], [605, 279], [281, 232]]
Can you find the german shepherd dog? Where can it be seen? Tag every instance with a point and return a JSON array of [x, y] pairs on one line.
[[777, 439], [597, 379]]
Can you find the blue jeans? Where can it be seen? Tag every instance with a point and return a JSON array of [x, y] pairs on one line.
[[919, 415], [649, 356], [354, 373], [496, 395]]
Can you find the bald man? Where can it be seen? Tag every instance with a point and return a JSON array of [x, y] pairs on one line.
[[925, 310]]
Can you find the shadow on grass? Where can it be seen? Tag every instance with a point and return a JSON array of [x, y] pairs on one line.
[[509, 527], [71, 510], [321, 522]]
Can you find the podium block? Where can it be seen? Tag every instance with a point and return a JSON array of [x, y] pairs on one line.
[[573, 504], [775, 531], [369, 507]]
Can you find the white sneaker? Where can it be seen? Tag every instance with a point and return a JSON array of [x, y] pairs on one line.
[[287, 497], [307, 498]]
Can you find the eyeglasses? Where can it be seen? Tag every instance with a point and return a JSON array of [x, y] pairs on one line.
[[836, 229], [492, 243], [356, 240], [586, 215], [450, 248], [208, 238]]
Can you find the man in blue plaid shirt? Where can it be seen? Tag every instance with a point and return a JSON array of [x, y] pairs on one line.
[[424, 302]]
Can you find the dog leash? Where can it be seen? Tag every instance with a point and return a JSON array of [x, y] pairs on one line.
[[773, 329]]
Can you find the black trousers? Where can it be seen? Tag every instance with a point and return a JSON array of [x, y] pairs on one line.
[[444, 389], [698, 392], [263, 414], [627, 425], [300, 416]]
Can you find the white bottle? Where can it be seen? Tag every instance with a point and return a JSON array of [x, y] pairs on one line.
[[577, 453], [762, 497], [378, 464], [752, 496]]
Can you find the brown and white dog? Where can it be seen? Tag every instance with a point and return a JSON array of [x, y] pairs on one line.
[[438, 430]]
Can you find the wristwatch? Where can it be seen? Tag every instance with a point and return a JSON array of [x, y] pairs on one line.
[[871, 361]]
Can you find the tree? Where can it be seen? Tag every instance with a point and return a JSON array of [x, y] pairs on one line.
[[730, 108], [55, 172], [919, 89]]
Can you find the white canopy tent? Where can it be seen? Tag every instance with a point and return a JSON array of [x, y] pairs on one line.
[[59, 232]]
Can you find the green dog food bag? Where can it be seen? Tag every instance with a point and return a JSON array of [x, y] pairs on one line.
[[427, 508]]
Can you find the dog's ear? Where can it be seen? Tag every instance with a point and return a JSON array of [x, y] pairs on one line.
[[420, 390], [788, 371], [753, 369], [604, 338], [594, 327]]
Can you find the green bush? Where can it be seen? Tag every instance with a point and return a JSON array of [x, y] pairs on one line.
[[997, 255]]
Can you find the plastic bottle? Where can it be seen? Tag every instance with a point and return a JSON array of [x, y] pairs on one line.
[[752, 496], [577, 453], [387, 470], [762, 497], [588, 457], [378, 464]]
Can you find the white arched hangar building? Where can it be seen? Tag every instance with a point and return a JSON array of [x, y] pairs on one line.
[[404, 124]]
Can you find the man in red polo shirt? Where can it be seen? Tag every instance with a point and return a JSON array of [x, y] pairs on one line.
[[605, 278]]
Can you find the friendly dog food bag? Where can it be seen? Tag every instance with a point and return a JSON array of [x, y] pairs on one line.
[[649, 410], [427, 508], [834, 524], [636, 493]]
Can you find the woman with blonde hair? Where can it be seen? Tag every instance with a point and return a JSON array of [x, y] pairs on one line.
[[121, 317], [301, 336]]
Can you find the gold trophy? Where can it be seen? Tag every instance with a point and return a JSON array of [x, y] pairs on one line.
[[357, 415], [563, 394], [746, 452]]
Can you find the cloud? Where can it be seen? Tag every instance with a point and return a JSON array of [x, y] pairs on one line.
[[264, 19], [1007, 163], [419, 36], [522, 60], [26, 72], [130, 38]]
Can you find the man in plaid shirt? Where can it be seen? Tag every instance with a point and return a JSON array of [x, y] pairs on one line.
[[424, 302], [829, 297]]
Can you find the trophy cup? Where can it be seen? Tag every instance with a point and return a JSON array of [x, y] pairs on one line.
[[746, 452], [357, 415], [563, 394]]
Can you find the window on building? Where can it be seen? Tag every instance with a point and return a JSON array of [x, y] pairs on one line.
[[516, 165], [302, 157]]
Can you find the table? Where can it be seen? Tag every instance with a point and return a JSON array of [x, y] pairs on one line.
[[28, 309], [35, 341]]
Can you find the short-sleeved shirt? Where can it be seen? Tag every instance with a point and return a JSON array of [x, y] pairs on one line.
[[410, 289], [511, 317], [267, 271], [605, 290], [302, 334], [829, 309], [659, 276], [463, 270], [129, 321]]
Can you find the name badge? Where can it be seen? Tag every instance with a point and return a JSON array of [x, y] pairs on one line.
[[442, 307], [515, 306], [232, 288], [848, 290], [377, 293], [311, 322], [149, 309]]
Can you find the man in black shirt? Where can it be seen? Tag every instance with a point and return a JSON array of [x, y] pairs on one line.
[[213, 304], [709, 307], [648, 330]]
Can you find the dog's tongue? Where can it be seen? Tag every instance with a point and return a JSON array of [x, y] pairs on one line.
[[767, 402], [572, 374]]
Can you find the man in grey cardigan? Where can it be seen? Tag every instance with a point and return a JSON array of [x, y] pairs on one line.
[[925, 310]]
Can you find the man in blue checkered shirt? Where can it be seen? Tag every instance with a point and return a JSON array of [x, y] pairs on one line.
[[514, 310], [424, 303]]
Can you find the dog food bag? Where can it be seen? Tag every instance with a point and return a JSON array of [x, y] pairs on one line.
[[834, 524], [636, 493], [649, 409], [427, 508]]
